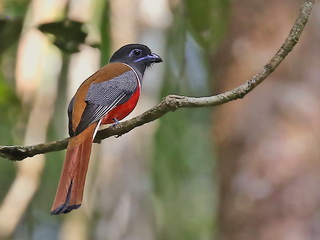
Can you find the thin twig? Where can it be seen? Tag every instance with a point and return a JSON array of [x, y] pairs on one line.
[[173, 102]]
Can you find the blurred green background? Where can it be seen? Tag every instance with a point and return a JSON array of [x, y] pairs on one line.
[[191, 174]]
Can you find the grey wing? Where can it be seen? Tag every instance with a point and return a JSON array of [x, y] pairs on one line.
[[104, 96], [70, 110]]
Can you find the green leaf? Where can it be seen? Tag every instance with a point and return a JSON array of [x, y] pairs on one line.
[[67, 35], [10, 30]]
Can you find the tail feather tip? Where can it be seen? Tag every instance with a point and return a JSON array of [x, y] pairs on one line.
[[64, 209]]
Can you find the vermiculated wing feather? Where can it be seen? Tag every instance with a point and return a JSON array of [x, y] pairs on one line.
[[102, 97]]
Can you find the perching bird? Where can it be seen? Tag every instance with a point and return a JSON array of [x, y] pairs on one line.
[[107, 96]]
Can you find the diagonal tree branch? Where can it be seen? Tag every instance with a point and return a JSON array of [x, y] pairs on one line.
[[173, 102]]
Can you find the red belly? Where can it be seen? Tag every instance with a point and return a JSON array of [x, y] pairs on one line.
[[122, 110]]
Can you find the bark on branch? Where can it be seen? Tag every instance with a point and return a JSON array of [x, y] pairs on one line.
[[173, 102]]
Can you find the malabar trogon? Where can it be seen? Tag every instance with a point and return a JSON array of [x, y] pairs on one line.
[[107, 96]]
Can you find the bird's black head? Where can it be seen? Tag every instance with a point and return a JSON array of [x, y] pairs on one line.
[[137, 56]]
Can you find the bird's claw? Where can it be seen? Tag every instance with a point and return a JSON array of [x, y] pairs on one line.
[[116, 122]]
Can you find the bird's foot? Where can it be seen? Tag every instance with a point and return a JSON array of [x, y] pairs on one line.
[[116, 122]]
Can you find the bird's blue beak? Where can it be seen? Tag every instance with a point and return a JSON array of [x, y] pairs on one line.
[[151, 58]]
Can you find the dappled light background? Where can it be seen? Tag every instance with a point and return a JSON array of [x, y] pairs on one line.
[[232, 173]]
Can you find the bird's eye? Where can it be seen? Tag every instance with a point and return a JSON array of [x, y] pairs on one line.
[[135, 53]]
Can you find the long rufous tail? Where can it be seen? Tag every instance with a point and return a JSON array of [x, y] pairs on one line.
[[70, 189]]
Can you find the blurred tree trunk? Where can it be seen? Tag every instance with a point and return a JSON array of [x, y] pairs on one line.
[[268, 143]]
